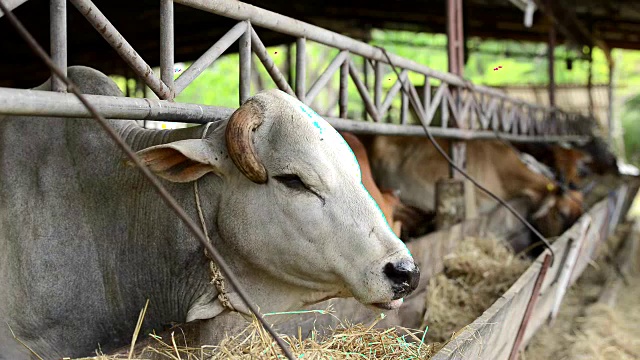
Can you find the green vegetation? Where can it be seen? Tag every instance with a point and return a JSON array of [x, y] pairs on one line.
[[218, 85]]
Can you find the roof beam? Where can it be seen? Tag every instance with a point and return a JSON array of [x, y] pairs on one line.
[[573, 28]]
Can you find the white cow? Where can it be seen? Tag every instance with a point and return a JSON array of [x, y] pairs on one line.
[[85, 240]]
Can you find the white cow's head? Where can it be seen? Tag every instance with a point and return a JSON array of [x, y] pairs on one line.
[[291, 203]]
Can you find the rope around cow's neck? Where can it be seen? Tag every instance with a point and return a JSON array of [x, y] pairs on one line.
[[216, 275]]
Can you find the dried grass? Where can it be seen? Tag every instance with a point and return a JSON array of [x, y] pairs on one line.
[[476, 274], [586, 329], [344, 342]]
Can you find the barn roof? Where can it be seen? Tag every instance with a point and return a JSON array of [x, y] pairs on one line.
[[585, 22]]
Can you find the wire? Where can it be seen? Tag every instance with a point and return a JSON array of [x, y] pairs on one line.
[[169, 200], [413, 98]]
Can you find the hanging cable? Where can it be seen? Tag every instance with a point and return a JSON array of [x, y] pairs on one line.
[[413, 98]]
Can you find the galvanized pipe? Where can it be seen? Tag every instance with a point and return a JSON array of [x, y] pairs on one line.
[[326, 76], [122, 47], [404, 106], [245, 64], [166, 45], [344, 88], [52, 104], [301, 68], [426, 96], [211, 55], [268, 19], [58, 39], [377, 86], [364, 93], [371, 128], [47, 103], [272, 69], [283, 24]]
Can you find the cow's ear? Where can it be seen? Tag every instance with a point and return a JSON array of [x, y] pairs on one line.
[[179, 161]]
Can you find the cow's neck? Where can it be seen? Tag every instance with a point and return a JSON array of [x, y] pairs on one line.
[[170, 268]]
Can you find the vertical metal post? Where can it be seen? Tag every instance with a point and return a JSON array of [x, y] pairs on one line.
[[610, 122], [451, 36], [301, 68], [426, 96], [404, 106], [365, 78], [58, 37], [450, 205], [377, 85], [245, 64], [344, 90], [460, 37], [590, 81], [127, 88], [289, 63], [166, 46], [550, 51]]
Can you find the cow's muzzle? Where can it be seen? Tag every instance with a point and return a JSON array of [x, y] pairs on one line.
[[404, 276]]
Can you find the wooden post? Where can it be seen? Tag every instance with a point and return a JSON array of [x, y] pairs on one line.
[[450, 204]]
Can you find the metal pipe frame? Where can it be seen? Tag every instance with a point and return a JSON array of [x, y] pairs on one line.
[[363, 91], [261, 51], [326, 76], [301, 68], [24, 102], [58, 39], [166, 45], [514, 115], [97, 19], [211, 55], [344, 87], [244, 55]]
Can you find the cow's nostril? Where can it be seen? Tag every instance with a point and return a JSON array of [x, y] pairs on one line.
[[404, 276]]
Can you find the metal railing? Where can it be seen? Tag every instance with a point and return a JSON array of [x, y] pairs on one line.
[[467, 111]]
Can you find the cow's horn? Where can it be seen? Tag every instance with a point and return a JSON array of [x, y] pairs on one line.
[[239, 137]]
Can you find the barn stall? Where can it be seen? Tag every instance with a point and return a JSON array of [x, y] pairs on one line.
[[468, 112]]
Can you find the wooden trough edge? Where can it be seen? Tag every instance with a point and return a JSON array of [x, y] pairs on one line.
[[493, 334]]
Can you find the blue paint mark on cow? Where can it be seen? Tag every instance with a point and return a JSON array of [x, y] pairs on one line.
[[312, 115]]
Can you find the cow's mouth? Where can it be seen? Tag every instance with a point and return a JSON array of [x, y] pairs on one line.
[[391, 305]]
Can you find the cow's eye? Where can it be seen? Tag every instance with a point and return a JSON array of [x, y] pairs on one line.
[[291, 181]]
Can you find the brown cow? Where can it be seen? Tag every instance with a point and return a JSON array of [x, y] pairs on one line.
[[413, 165], [388, 199], [564, 160]]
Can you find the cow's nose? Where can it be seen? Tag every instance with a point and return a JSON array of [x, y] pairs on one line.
[[404, 276]]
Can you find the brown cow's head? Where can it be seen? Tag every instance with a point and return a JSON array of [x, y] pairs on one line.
[[557, 211]]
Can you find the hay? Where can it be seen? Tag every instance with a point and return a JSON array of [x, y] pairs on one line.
[[345, 342], [476, 274]]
